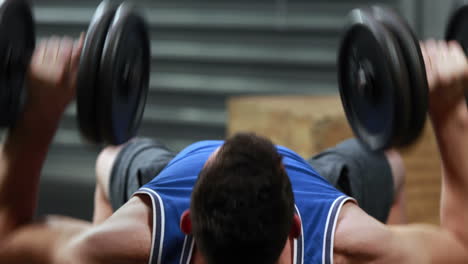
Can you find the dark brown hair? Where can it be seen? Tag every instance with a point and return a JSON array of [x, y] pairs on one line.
[[242, 204]]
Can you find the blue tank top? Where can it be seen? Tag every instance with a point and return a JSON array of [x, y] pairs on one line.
[[317, 204]]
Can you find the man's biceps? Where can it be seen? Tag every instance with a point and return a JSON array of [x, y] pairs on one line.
[[87, 248], [431, 244], [108, 243]]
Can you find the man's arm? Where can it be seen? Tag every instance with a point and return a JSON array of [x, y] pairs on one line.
[[448, 79], [360, 239], [26, 145], [125, 238], [42, 241]]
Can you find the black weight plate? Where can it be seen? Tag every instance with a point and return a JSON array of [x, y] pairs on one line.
[[17, 43], [457, 28], [370, 109], [124, 76], [87, 79], [414, 101], [402, 91]]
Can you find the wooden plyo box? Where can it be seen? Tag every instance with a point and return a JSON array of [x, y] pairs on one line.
[[310, 124]]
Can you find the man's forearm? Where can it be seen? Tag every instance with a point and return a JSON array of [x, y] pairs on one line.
[[21, 159], [452, 136]]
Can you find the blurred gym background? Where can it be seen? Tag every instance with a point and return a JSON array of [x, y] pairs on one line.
[[204, 51]]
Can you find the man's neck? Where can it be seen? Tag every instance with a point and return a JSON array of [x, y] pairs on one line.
[[197, 258], [286, 256]]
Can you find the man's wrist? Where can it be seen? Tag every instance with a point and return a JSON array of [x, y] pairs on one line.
[[33, 129]]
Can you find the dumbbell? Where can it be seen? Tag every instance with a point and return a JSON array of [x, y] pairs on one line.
[[113, 73], [382, 76], [457, 27], [113, 76], [17, 42]]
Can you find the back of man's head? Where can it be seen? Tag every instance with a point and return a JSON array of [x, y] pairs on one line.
[[242, 205]]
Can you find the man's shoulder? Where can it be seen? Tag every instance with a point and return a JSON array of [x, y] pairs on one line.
[[349, 210], [352, 227]]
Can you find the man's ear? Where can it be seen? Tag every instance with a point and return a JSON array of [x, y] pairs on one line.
[[186, 222], [296, 227]]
